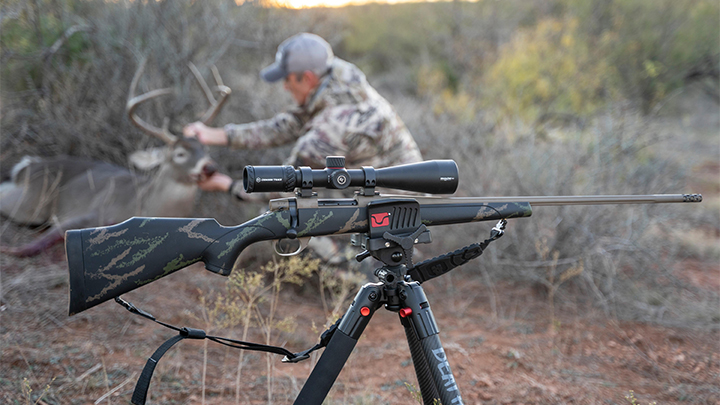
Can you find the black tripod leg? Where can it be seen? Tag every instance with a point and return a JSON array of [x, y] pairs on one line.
[[341, 344], [327, 369], [422, 369], [425, 346]]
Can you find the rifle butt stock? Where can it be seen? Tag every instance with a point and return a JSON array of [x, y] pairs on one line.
[[106, 262]]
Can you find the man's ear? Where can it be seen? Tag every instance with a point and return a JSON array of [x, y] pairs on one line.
[[311, 78]]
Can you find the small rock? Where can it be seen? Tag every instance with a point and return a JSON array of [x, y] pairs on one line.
[[486, 396], [484, 381]]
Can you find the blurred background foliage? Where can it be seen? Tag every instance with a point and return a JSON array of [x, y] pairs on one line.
[[548, 97]]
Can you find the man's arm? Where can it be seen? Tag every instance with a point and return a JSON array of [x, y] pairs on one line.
[[205, 134], [279, 130]]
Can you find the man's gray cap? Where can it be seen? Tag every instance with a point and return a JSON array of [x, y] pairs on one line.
[[297, 54]]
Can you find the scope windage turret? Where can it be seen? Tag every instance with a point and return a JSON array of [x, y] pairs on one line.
[[432, 176]]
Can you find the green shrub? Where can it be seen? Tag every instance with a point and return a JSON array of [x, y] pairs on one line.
[[549, 68]]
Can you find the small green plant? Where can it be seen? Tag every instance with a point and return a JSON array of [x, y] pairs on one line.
[[415, 392], [217, 312], [27, 392], [248, 287], [293, 270], [541, 246], [532, 74], [417, 395], [336, 288], [631, 398], [255, 296]]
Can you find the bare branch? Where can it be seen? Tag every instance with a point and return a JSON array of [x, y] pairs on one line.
[[48, 53]]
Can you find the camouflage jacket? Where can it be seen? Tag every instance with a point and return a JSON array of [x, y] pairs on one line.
[[344, 116]]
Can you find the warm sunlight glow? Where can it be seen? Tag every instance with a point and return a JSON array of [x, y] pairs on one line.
[[334, 3]]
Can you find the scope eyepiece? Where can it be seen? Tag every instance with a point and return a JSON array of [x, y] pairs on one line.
[[431, 176]]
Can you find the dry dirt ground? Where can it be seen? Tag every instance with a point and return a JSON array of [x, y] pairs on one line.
[[513, 357]]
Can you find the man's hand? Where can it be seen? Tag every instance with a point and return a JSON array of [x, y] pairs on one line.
[[205, 134], [216, 182]]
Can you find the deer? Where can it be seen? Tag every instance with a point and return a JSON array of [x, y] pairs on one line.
[[64, 192]]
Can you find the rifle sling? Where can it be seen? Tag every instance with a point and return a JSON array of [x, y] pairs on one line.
[[143, 384], [437, 266]]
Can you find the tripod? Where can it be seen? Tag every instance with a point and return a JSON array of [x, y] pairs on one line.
[[399, 291], [435, 378]]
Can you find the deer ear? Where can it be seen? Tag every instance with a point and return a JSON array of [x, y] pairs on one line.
[[147, 159]]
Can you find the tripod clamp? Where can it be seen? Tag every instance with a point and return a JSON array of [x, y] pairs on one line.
[[395, 227], [406, 243]]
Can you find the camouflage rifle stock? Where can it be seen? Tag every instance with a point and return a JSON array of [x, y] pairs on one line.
[[106, 262]]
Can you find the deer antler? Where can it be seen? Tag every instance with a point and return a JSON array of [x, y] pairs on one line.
[[133, 102], [215, 105], [163, 133]]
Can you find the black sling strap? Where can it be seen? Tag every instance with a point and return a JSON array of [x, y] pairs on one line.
[[141, 388], [437, 266], [143, 384]]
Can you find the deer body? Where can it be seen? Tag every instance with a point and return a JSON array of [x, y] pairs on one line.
[[70, 193]]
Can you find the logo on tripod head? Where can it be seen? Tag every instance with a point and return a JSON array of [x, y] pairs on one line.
[[380, 219]]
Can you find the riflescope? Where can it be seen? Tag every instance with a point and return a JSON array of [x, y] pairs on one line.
[[432, 176]]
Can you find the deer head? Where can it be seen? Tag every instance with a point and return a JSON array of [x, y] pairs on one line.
[[179, 151]]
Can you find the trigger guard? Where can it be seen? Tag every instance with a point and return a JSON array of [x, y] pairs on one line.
[[303, 244]]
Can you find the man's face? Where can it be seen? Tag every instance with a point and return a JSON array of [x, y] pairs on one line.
[[299, 85]]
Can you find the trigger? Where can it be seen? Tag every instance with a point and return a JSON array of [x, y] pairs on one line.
[[302, 243]]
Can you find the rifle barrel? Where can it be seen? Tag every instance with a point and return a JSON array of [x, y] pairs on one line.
[[612, 199], [574, 199]]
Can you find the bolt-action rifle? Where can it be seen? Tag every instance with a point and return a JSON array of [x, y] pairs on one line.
[[106, 262]]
